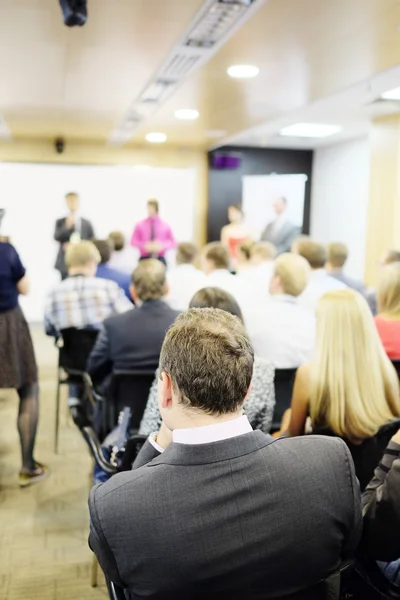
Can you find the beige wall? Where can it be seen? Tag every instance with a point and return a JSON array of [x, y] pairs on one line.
[[96, 154]]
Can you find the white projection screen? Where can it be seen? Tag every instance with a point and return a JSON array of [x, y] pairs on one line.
[[112, 197], [259, 193]]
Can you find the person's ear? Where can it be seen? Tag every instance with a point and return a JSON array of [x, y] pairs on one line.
[[248, 392], [166, 390], [274, 284], [133, 293]]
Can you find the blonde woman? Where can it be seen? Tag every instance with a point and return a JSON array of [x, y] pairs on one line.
[[388, 320], [350, 389]]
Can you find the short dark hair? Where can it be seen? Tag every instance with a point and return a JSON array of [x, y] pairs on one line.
[[216, 253], [337, 254], [68, 194], [214, 297], [209, 357], [149, 279], [153, 202], [236, 207], [186, 253], [117, 239], [313, 252], [104, 247]]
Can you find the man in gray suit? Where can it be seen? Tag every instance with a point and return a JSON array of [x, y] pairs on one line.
[[281, 232], [69, 229], [213, 509]]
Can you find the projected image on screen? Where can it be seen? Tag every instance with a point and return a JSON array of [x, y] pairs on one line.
[[274, 207]]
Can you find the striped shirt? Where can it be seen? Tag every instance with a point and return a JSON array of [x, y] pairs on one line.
[[81, 301]]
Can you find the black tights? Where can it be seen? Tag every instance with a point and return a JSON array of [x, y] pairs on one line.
[[28, 415]]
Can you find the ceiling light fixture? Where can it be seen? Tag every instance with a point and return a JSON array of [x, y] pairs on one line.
[[310, 130], [156, 137], [187, 114], [243, 71], [392, 94]]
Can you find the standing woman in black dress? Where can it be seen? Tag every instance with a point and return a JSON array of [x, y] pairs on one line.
[[18, 367]]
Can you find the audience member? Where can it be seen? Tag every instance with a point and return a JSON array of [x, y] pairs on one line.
[[18, 368], [215, 264], [319, 282], [234, 233], [123, 258], [381, 507], [388, 257], [132, 341], [82, 300], [230, 506], [243, 261], [104, 271], [350, 389], [259, 406], [388, 319], [72, 228], [281, 330], [260, 270], [184, 279], [338, 254]]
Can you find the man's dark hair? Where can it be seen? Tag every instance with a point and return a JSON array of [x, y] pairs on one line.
[[149, 279], [209, 357], [117, 239], [214, 297], [154, 203], [216, 253], [105, 249], [186, 253], [313, 252], [69, 194]]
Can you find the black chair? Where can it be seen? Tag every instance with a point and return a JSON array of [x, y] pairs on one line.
[[74, 346], [368, 581], [283, 383], [116, 593], [396, 364]]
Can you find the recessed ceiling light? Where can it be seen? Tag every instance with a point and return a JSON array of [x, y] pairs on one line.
[[156, 137], [392, 94], [243, 71], [215, 133], [187, 114], [310, 130]]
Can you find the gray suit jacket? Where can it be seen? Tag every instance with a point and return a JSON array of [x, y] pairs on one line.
[[249, 517], [62, 234], [282, 238]]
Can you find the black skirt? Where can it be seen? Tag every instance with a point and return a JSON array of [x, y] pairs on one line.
[[17, 357]]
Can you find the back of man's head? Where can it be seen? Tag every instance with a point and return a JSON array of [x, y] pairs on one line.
[[105, 249], [149, 280], [337, 255], [291, 274], [215, 256], [117, 239], [313, 252], [209, 358], [186, 253], [83, 256], [263, 252]]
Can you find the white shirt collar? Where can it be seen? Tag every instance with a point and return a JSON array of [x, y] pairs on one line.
[[212, 433], [219, 272], [318, 274]]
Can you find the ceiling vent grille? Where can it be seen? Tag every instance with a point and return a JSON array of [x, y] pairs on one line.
[[212, 26]]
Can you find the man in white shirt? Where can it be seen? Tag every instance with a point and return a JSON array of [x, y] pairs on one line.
[[320, 282], [185, 279], [212, 509], [281, 330], [215, 264], [259, 272]]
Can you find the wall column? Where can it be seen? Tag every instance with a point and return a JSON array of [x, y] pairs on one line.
[[383, 223]]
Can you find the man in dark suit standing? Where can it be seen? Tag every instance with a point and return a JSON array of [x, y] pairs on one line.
[[213, 509], [281, 232], [133, 342], [70, 229]]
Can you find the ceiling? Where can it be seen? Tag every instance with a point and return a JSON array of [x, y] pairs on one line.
[[318, 59]]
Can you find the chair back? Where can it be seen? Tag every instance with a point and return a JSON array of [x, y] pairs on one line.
[[396, 364], [131, 389], [77, 344], [283, 382]]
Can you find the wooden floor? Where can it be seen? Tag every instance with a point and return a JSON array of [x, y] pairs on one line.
[[44, 528]]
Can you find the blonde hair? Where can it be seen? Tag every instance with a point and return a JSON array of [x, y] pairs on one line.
[[264, 250], [354, 388], [389, 289], [293, 271], [81, 255], [337, 254]]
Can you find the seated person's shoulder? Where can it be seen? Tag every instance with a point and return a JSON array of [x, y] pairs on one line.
[[314, 450]]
